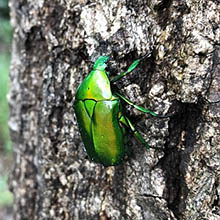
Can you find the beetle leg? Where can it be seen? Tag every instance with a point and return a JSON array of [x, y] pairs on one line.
[[145, 110], [125, 121], [130, 68], [124, 124]]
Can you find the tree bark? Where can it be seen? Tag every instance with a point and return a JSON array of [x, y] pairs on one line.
[[54, 46]]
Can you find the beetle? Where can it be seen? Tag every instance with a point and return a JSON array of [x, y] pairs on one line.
[[102, 123]]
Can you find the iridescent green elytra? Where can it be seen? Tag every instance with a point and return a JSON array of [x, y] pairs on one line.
[[99, 114]]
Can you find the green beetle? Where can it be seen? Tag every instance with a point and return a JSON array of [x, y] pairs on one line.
[[101, 121]]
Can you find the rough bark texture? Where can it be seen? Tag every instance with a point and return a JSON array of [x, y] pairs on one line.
[[55, 43]]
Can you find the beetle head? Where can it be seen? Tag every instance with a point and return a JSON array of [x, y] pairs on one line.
[[100, 63]]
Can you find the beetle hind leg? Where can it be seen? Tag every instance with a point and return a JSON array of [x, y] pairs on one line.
[[125, 121]]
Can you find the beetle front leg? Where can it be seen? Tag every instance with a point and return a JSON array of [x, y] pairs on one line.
[[130, 68]]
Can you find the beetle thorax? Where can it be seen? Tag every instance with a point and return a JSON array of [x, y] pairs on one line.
[[95, 86]]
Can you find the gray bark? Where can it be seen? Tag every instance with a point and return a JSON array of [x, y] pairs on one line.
[[54, 46]]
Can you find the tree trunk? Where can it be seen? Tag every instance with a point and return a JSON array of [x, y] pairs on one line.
[[55, 44]]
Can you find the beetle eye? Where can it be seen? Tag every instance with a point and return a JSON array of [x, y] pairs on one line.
[[107, 69]]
